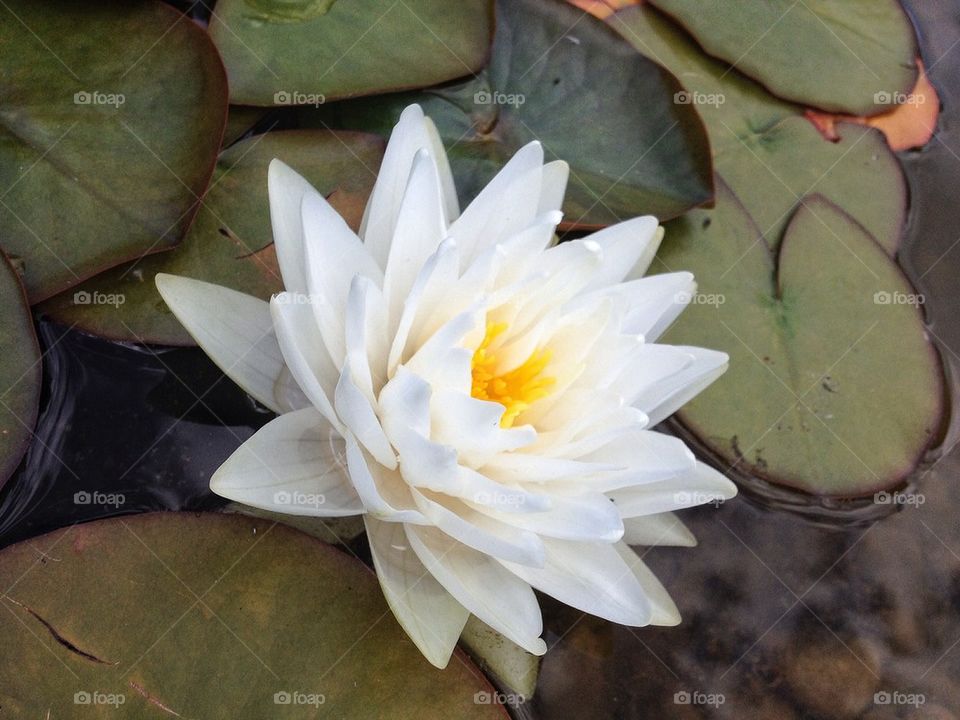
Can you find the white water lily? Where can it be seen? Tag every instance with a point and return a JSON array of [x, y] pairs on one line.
[[481, 394]]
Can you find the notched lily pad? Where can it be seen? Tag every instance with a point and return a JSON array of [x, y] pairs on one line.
[[110, 121], [562, 77], [296, 52], [833, 386], [230, 243], [849, 56], [20, 372], [144, 612]]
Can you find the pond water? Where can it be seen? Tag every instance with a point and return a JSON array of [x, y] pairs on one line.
[[789, 612]]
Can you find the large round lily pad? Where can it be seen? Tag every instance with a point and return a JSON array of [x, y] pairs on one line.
[[111, 116], [833, 386], [854, 56], [20, 374], [306, 52], [210, 616], [764, 148], [231, 242], [562, 77]]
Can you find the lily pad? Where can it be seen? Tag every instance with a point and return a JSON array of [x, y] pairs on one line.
[[240, 120], [279, 52], [562, 77], [854, 56], [211, 616], [231, 242], [765, 149], [20, 374], [110, 121], [833, 386]]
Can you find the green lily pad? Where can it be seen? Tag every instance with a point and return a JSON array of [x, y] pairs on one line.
[[110, 121], [20, 372], [855, 56], [283, 52], [231, 242], [240, 120], [764, 148], [210, 616], [833, 386], [562, 77]]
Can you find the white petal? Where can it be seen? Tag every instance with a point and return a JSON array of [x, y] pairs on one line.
[[410, 135], [236, 331], [357, 414], [472, 426], [699, 487], [304, 351], [623, 245], [480, 531], [591, 577], [287, 190], [654, 302], [507, 205], [382, 491], [555, 176], [661, 529], [429, 614], [663, 609], [294, 464], [334, 255], [420, 227], [661, 399], [450, 203], [365, 335], [585, 517], [481, 585]]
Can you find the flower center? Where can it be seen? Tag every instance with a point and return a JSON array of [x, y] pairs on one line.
[[516, 389]]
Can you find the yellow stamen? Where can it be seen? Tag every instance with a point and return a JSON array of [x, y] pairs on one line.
[[515, 389]]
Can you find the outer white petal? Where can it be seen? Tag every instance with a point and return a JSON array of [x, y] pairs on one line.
[[450, 203], [699, 487], [287, 190], [662, 399], [663, 609], [624, 245], [555, 176], [484, 587], [236, 331], [410, 135], [334, 255], [584, 517], [661, 529], [304, 352], [507, 205], [655, 302], [294, 464], [365, 336], [420, 227], [592, 577], [429, 614]]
